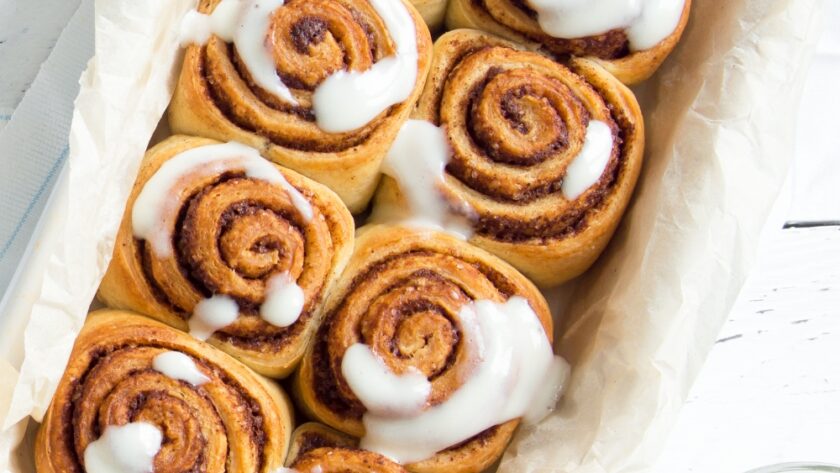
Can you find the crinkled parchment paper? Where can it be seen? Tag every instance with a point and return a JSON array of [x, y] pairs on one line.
[[719, 138]]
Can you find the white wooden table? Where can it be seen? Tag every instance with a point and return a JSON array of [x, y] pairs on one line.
[[770, 391]]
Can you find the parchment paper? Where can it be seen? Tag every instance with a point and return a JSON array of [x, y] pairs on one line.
[[720, 129]]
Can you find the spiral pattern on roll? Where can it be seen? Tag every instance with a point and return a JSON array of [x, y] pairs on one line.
[[311, 39], [401, 295], [232, 235], [234, 422], [516, 122]]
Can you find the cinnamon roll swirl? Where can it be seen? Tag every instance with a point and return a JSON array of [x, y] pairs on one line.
[[630, 39], [543, 157], [402, 296], [318, 86], [221, 242], [137, 391]]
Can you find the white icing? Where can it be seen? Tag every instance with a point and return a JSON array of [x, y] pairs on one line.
[[382, 392], [283, 301], [129, 448], [212, 314], [155, 209], [245, 23], [646, 22], [348, 100], [416, 160], [179, 366], [546, 397], [514, 374], [586, 168], [344, 101]]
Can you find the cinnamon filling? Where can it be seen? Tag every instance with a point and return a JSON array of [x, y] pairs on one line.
[[308, 31]]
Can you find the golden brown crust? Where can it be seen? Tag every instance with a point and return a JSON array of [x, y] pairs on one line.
[[235, 422], [344, 460], [316, 445], [312, 435], [235, 233], [401, 294], [432, 11], [516, 120], [215, 97], [512, 19]]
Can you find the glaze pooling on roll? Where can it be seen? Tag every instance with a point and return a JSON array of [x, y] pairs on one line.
[[346, 100], [179, 366], [129, 448], [514, 374], [244, 23], [589, 165], [382, 391], [211, 314], [349, 100], [417, 161], [284, 301], [646, 22], [155, 211]]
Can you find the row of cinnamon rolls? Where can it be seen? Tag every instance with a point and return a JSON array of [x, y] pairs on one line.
[[413, 312]]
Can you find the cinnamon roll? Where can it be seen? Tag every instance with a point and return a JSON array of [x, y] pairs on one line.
[[399, 351], [630, 39], [138, 395], [318, 86], [221, 242], [540, 158]]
